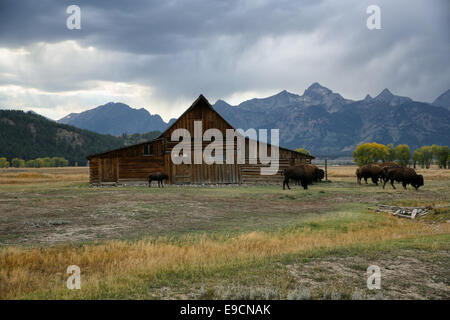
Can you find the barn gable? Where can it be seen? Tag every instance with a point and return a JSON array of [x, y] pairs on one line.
[[200, 110]]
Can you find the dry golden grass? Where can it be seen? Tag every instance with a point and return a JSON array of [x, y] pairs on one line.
[[43, 175], [342, 172], [434, 173], [117, 263], [81, 174]]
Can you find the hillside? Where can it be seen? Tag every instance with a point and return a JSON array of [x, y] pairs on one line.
[[28, 136], [327, 124], [116, 119], [443, 100]]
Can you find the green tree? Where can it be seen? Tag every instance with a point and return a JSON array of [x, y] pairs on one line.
[[426, 158], [46, 162], [303, 150], [35, 163], [17, 163], [4, 163], [402, 154], [417, 157], [440, 154], [60, 162], [391, 152], [370, 152]]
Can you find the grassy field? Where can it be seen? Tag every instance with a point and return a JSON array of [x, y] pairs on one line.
[[219, 242]]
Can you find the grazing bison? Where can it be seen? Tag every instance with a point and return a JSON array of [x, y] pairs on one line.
[[319, 174], [383, 165], [158, 176], [388, 164], [303, 173], [404, 175], [368, 171]]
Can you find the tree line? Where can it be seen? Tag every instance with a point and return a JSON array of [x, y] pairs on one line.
[[424, 156], [34, 163]]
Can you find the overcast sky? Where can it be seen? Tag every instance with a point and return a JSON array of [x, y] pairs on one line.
[[161, 55]]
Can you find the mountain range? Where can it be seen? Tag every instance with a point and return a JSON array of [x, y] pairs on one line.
[[116, 119], [319, 120], [327, 124], [443, 100]]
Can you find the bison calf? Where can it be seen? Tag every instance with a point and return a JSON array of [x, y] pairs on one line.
[[158, 176]]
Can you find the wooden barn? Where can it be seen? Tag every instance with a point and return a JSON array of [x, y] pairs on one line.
[[134, 163]]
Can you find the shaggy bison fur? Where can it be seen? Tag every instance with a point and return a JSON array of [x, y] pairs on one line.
[[404, 175], [368, 171], [157, 176], [318, 175], [388, 164], [305, 173]]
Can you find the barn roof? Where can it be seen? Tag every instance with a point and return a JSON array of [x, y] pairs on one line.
[[201, 98]]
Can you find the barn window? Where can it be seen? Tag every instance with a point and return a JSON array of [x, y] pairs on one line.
[[148, 149]]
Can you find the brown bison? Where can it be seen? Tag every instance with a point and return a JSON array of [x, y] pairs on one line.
[[368, 171], [388, 164], [404, 175], [319, 174], [158, 176], [304, 173]]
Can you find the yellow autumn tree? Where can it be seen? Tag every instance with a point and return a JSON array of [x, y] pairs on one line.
[[303, 150], [370, 152]]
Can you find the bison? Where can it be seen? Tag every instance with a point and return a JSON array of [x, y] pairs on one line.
[[368, 171], [404, 175], [383, 165], [388, 164], [158, 176], [304, 173], [319, 174]]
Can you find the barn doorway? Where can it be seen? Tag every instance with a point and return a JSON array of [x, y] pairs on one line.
[[109, 168], [182, 173]]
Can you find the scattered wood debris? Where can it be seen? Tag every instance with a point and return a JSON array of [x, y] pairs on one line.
[[404, 212]]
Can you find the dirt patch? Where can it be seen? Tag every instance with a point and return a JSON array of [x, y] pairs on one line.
[[120, 213], [411, 274]]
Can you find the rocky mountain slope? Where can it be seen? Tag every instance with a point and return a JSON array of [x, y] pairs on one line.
[[443, 100], [327, 124], [116, 119]]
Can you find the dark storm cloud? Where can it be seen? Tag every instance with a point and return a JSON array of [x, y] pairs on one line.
[[227, 47], [151, 26]]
